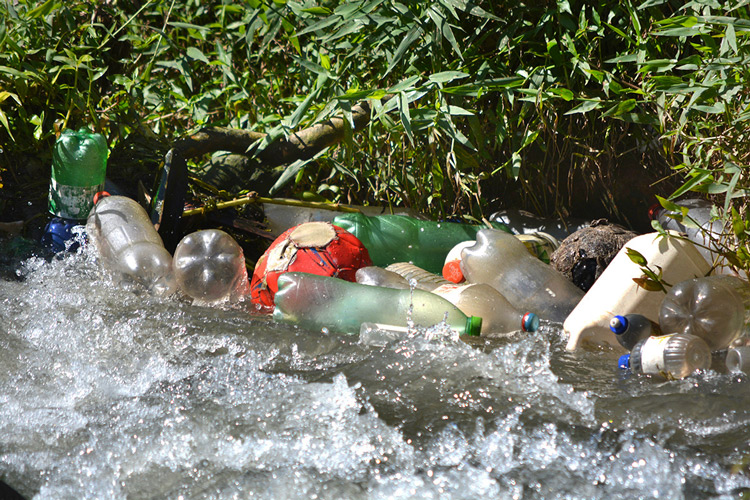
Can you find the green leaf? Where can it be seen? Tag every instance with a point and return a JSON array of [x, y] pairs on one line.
[[318, 11], [403, 108], [43, 10], [194, 53], [636, 257], [562, 92], [447, 76], [412, 35], [586, 106]]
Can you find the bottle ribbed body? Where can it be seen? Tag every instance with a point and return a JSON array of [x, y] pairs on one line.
[[671, 356], [503, 262], [715, 308], [423, 279], [632, 328], [477, 299], [317, 302], [127, 243], [398, 238], [209, 266]]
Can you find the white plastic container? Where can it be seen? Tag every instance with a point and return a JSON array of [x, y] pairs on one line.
[[615, 292]]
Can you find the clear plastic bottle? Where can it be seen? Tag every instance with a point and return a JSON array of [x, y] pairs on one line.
[[474, 299], [671, 356], [738, 359], [715, 308], [632, 328], [209, 266], [377, 276], [500, 260], [79, 166], [523, 222], [318, 302], [398, 238], [128, 244]]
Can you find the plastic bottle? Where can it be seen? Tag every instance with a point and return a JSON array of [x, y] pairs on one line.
[[122, 233], [380, 334], [671, 356], [715, 308], [318, 302], [523, 222], [632, 328], [500, 260], [738, 359], [398, 238], [615, 292], [474, 299], [377, 276], [209, 266], [79, 166]]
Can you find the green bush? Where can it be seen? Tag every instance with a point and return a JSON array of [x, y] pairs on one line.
[[489, 103]]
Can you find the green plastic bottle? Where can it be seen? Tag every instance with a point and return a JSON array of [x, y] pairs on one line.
[[400, 238], [317, 302], [79, 166]]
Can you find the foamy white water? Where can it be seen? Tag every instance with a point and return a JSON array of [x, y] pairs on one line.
[[109, 393]]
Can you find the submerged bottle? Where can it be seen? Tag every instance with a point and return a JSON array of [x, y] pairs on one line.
[[671, 356], [318, 302], [209, 266], [715, 308], [79, 166], [128, 244], [500, 260], [398, 238], [474, 299], [632, 328]]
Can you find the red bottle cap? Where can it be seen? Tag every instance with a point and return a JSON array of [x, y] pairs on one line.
[[452, 271]]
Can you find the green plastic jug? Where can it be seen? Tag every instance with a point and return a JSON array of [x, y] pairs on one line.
[[399, 238]]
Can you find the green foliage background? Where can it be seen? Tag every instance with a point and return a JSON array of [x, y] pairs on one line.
[[538, 104]]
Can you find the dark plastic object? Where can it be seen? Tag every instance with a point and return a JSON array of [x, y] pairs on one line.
[[168, 202]]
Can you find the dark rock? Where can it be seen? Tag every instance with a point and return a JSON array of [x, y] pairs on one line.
[[583, 256]]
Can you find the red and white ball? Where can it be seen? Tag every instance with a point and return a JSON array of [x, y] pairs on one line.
[[313, 247]]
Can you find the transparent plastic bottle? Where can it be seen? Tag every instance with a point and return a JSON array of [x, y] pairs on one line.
[[671, 356], [500, 260], [209, 266], [318, 302], [632, 328], [380, 334], [474, 299], [377, 276], [398, 238], [128, 244], [715, 308], [79, 167], [738, 359]]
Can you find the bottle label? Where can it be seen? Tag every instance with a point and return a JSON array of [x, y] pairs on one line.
[[652, 355], [72, 202]]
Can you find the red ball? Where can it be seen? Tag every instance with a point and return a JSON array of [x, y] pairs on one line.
[[313, 247]]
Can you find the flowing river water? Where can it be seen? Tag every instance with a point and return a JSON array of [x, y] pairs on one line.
[[106, 392]]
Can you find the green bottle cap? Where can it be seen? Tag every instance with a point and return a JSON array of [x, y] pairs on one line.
[[473, 326]]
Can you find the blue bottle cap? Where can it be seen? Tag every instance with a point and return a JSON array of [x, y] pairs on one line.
[[624, 362], [57, 232], [530, 322], [618, 324]]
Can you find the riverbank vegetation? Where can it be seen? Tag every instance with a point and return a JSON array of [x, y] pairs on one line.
[[566, 107]]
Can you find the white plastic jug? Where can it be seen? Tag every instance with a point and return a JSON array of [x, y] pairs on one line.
[[615, 292]]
